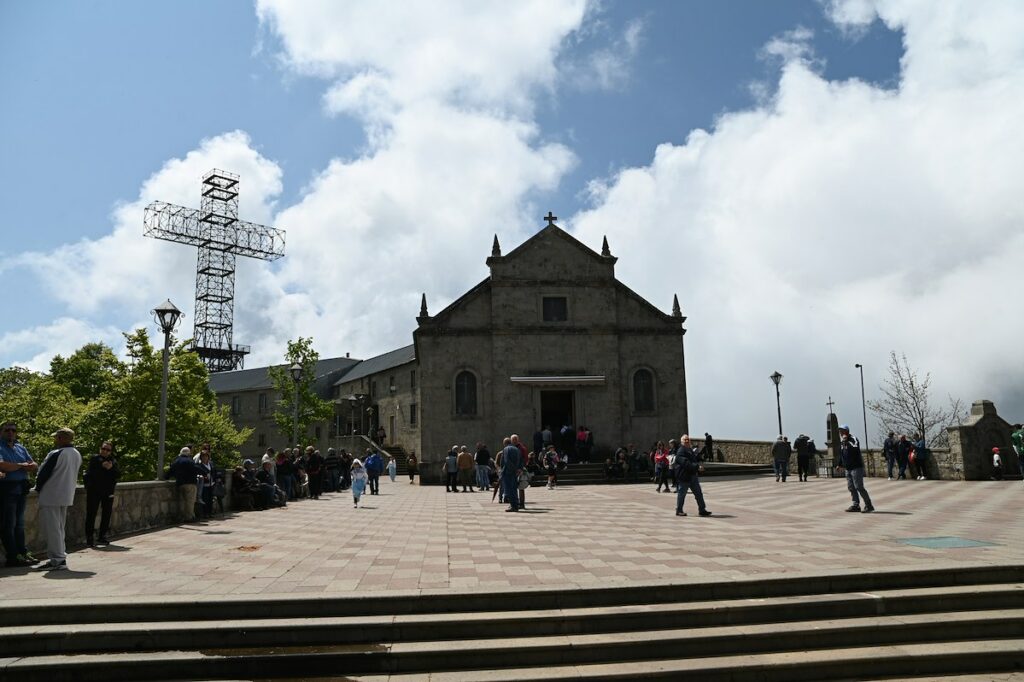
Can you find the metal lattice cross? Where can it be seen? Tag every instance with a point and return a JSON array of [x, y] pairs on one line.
[[220, 236]]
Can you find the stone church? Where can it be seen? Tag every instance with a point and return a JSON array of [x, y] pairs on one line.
[[550, 337]]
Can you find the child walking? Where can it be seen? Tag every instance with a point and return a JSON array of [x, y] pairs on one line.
[[359, 479]]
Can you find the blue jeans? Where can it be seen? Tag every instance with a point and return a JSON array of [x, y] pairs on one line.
[[694, 485], [286, 482], [855, 484], [890, 464], [781, 468], [12, 519], [483, 477]]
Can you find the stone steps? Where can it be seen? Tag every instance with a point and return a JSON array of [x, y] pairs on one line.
[[34, 640], [881, 624]]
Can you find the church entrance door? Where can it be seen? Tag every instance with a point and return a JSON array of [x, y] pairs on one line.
[[556, 409]]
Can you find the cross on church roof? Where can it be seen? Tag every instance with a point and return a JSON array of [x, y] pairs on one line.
[[551, 218], [830, 404]]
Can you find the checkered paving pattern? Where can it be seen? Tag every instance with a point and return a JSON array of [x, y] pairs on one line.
[[422, 538]]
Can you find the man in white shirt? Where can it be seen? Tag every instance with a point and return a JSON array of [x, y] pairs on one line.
[[55, 483]]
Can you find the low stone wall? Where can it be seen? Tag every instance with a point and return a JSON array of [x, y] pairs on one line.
[[141, 505], [943, 464]]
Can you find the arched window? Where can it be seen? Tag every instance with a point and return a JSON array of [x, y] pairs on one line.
[[643, 391], [465, 393]]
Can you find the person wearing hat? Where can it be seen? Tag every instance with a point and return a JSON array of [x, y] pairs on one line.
[[15, 466], [185, 473], [781, 451], [997, 465], [852, 462], [55, 484]]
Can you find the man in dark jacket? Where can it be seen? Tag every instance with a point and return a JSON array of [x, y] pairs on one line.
[[100, 479], [852, 462], [184, 472], [889, 452], [374, 465], [903, 448], [781, 450], [511, 466], [686, 470], [483, 466], [332, 465], [803, 455]]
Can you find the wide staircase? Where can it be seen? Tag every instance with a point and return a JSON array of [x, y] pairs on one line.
[[867, 626], [593, 473]]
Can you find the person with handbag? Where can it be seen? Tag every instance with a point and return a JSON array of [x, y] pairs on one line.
[[100, 480], [15, 464]]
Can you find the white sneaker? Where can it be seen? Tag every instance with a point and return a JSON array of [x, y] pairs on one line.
[[889, 479], [52, 566]]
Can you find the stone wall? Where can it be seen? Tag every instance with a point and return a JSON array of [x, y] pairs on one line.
[[137, 506], [944, 463], [974, 439]]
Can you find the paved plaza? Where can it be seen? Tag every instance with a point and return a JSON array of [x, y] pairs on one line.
[[421, 538]]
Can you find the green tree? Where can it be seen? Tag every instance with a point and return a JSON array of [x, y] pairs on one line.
[[39, 405], [312, 408], [88, 372], [106, 399]]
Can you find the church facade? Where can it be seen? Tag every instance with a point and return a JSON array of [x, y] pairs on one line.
[[550, 338]]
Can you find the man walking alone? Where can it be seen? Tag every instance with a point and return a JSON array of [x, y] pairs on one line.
[[511, 467], [687, 471], [58, 476], [852, 462]]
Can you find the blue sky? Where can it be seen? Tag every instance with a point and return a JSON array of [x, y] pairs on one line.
[[101, 97]]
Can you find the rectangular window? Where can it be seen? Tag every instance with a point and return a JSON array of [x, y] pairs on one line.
[[317, 431], [391, 384], [412, 380], [556, 309], [412, 413], [262, 441], [373, 388], [236, 405], [263, 403]]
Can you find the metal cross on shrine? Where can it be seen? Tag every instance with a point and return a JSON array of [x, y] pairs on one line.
[[551, 218], [220, 236], [830, 404]]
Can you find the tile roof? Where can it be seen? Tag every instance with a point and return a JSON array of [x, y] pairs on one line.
[[327, 369], [379, 364]]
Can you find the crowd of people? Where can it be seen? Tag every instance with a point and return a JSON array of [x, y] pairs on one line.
[[297, 473]]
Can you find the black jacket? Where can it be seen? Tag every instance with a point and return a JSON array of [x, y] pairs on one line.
[[849, 454], [100, 480]]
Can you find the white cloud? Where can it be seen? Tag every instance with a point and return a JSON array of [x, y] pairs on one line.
[[124, 274], [838, 221], [483, 54], [34, 347]]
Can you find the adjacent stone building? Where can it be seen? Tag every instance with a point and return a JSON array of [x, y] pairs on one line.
[[549, 338]]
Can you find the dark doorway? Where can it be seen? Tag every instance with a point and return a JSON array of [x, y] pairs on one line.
[[556, 409]]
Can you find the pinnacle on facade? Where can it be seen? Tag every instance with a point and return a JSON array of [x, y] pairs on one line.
[[605, 251], [423, 307], [676, 311], [496, 247]]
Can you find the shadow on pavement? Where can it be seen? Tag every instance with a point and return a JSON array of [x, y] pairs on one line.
[[68, 575]]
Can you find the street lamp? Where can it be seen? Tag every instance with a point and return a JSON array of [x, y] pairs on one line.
[[777, 379], [296, 371], [167, 316], [863, 403]]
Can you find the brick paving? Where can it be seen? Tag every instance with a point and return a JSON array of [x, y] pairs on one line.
[[422, 538]]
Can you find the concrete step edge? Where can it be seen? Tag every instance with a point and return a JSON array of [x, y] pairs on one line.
[[38, 640], [832, 663], [136, 609]]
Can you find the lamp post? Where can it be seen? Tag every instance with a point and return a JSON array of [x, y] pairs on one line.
[[863, 404], [296, 371], [166, 315], [777, 379]]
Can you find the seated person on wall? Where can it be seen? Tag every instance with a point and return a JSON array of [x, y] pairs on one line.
[[265, 476], [245, 494]]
